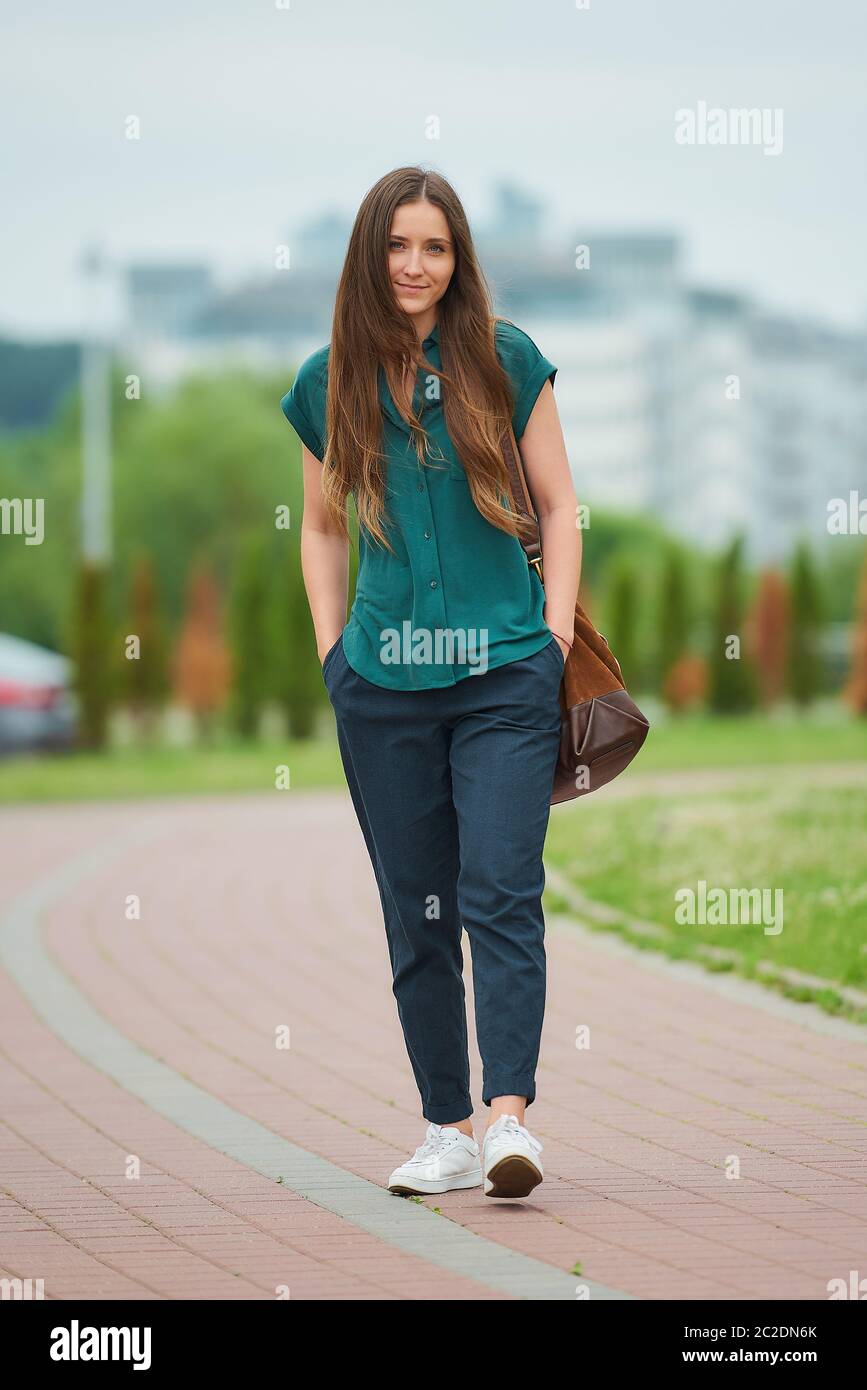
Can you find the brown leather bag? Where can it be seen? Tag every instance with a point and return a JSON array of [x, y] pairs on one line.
[[602, 728]]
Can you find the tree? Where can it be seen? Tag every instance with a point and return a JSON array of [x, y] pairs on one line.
[[686, 684], [297, 673], [673, 615], [805, 663], [143, 679], [855, 692], [732, 686], [768, 628], [202, 667], [252, 642], [90, 645], [623, 622]]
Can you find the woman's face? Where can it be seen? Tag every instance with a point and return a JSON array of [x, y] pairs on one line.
[[421, 257]]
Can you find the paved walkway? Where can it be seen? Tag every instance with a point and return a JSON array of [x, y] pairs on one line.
[[157, 1142]]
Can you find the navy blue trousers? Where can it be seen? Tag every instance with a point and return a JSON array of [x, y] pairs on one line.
[[452, 790]]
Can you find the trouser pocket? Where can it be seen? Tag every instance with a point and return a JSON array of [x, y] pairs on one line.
[[330, 654]]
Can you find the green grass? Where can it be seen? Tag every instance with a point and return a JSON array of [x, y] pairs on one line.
[[238, 767], [705, 741], [133, 773], [634, 855]]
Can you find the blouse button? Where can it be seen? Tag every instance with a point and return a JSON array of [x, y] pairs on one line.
[[433, 583], [427, 535], [421, 487]]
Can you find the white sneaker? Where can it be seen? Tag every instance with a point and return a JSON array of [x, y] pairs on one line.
[[447, 1159], [512, 1164]]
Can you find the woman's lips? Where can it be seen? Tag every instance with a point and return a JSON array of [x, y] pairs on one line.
[[411, 289]]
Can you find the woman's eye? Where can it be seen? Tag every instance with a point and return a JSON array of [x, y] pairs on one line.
[[398, 246]]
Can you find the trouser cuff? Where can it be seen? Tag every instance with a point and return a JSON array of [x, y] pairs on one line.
[[448, 1114], [510, 1086]]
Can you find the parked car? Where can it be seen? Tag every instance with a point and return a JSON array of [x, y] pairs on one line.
[[37, 707]]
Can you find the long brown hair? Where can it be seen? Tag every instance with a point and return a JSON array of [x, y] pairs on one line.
[[371, 330]]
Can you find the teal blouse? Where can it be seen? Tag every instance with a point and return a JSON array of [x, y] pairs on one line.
[[457, 597]]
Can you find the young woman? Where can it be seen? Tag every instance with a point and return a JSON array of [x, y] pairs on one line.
[[444, 680]]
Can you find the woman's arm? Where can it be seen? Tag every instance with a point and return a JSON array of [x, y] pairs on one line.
[[324, 560], [549, 479]]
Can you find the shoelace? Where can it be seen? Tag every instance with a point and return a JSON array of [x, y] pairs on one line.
[[434, 1141], [510, 1125]]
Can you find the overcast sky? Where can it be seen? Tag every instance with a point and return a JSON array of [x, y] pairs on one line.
[[255, 117]]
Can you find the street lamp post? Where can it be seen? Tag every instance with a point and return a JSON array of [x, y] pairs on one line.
[[93, 654], [95, 416]]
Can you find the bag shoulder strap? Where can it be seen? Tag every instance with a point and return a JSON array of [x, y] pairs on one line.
[[532, 542]]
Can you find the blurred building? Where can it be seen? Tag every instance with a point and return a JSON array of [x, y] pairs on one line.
[[810, 425], [166, 299], [693, 404]]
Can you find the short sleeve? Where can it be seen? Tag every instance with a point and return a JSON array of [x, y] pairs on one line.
[[304, 404], [527, 368]]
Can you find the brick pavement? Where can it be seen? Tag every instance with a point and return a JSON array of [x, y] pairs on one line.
[[154, 1039]]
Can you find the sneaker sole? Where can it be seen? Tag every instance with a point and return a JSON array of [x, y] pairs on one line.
[[423, 1187], [512, 1176]]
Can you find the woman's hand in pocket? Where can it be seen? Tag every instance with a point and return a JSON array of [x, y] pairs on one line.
[[324, 648]]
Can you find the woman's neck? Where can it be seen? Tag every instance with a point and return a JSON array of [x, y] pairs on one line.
[[424, 324]]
